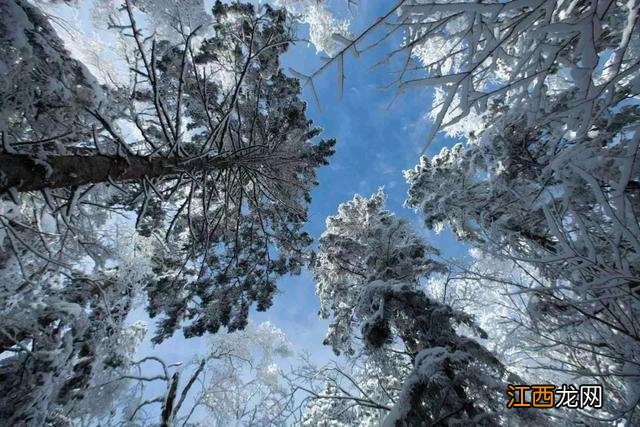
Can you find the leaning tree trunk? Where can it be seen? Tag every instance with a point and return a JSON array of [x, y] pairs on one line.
[[166, 417], [23, 172]]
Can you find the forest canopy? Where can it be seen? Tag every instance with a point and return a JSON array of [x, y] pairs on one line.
[[157, 168]]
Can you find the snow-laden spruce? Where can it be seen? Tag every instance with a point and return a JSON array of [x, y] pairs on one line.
[[368, 270]]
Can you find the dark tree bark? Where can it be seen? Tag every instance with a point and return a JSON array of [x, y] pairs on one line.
[[24, 173], [167, 407]]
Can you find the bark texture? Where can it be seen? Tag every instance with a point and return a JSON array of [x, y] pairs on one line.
[[24, 173]]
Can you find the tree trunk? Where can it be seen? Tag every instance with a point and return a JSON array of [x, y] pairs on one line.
[[23, 172], [167, 407]]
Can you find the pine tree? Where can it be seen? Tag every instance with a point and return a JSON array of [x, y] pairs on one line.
[[215, 174], [222, 173], [368, 271]]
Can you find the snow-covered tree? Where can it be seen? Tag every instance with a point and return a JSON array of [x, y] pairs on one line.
[[223, 173], [368, 271], [215, 172], [525, 54], [545, 95], [324, 26], [56, 338], [566, 204], [45, 92], [357, 392], [543, 343], [237, 381]]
